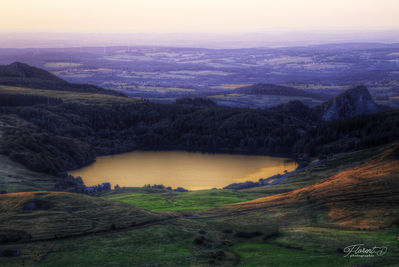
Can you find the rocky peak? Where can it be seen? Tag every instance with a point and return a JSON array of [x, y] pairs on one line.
[[356, 101]]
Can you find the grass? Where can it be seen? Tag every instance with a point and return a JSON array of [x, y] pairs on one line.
[[70, 96], [289, 235], [156, 245], [159, 200], [317, 247], [14, 177], [171, 244], [260, 254], [62, 64], [152, 246], [46, 215], [321, 171]]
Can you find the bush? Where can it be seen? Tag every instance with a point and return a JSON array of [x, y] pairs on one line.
[[243, 234], [11, 253], [199, 240]]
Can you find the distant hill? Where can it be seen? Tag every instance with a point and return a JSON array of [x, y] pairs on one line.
[[296, 109], [23, 75], [196, 101], [355, 101], [272, 89]]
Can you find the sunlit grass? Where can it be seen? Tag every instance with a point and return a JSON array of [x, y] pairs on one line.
[[70, 96], [195, 200]]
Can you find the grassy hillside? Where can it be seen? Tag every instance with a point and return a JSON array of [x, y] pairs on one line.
[[68, 96], [362, 197], [15, 177], [30, 216], [23, 75]]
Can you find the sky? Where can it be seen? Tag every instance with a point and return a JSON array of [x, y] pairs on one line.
[[183, 16]]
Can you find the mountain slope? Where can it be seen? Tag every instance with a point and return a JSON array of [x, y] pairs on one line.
[[364, 197], [20, 74], [24, 71]]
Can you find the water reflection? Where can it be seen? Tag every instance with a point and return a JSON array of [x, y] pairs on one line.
[[177, 168]]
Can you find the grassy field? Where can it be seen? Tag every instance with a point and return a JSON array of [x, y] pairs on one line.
[[62, 64], [174, 243], [308, 246], [69, 96], [164, 200]]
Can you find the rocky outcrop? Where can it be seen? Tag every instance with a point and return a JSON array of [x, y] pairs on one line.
[[356, 101]]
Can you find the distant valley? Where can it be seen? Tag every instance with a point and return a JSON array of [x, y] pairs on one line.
[[163, 74]]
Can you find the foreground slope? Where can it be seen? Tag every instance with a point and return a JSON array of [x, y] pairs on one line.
[[15, 177], [45, 215], [364, 197]]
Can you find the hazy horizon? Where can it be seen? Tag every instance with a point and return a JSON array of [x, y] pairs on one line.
[[199, 40], [190, 23], [177, 16]]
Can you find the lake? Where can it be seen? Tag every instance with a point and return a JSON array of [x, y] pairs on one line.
[[190, 170]]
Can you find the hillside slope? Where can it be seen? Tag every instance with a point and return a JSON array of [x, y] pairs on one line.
[[43, 215], [20, 74], [364, 197], [15, 177]]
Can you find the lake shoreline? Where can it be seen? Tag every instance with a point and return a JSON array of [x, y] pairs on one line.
[[218, 152], [171, 167]]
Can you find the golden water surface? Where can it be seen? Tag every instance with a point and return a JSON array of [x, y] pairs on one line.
[[177, 168]]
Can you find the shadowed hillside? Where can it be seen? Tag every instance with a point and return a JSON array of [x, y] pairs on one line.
[[43, 215], [355, 101]]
